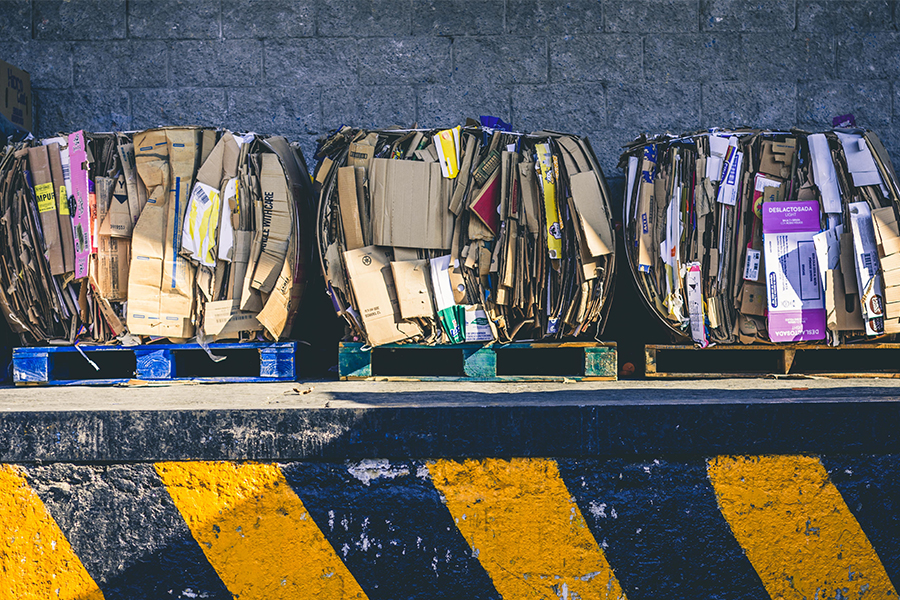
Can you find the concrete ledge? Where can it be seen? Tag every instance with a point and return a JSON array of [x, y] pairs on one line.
[[353, 422]]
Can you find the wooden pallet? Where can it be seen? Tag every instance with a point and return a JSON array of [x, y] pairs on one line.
[[244, 363], [847, 361], [573, 361]]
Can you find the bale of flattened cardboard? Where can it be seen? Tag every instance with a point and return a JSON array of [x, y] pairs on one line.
[[183, 233], [467, 234], [752, 236]]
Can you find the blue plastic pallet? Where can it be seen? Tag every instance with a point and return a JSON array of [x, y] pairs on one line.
[[62, 365]]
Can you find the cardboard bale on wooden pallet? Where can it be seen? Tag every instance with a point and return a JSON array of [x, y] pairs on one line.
[[129, 238], [714, 220], [472, 233]]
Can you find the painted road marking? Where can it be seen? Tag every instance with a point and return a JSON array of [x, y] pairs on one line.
[[255, 531], [391, 528], [524, 527], [36, 560], [660, 528], [796, 528]]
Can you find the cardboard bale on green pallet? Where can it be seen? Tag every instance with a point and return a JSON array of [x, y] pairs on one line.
[[183, 233], [750, 236], [468, 234]]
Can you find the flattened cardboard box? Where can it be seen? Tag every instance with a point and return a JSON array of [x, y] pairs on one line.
[[276, 224], [370, 275]]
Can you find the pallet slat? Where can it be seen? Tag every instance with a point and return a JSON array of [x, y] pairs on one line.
[[579, 361], [62, 365], [841, 362]]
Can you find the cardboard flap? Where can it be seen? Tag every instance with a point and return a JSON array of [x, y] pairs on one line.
[[413, 293], [486, 203], [348, 199], [595, 221], [222, 162]]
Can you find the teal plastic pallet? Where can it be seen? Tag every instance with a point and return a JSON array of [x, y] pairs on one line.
[[62, 365], [565, 361]]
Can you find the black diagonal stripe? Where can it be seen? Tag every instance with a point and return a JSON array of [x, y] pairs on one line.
[[123, 525], [388, 524], [870, 485], [661, 529]]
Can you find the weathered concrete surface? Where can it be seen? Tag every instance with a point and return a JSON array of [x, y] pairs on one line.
[[786, 526], [641, 490]]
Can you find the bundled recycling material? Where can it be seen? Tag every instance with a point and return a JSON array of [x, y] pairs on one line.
[[762, 236], [468, 234], [175, 233]]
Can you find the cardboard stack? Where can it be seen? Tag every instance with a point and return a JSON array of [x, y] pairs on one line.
[[468, 234], [178, 233], [760, 236]]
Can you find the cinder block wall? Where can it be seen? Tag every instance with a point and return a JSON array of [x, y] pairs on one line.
[[606, 68]]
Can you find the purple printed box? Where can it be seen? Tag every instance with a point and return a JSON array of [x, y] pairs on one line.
[[796, 301]]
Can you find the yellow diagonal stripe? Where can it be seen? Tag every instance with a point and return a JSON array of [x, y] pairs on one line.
[[36, 560], [524, 527], [256, 533], [796, 528]]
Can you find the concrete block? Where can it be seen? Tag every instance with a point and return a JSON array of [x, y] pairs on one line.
[[747, 15], [653, 107], [440, 105], [457, 17], [173, 19], [79, 19], [285, 111], [840, 16], [216, 63], [368, 106], [607, 144], [573, 108], [535, 17], [787, 57], [71, 110], [697, 57], [587, 58], [15, 20], [48, 63], [756, 104], [648, 16], [311, 62], [404, 60], [120, 64], [181, 106], [363, 18], [499, 60], [869, 101], [268, 18], [870, 56]]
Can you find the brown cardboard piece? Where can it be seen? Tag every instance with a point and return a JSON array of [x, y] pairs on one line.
[[45, 195], [160, 281], [887, 234], [594, 222], [838, 317], [777, 157], [753, 299], [413, 292], [137, 192], [373, 286], [275, 226], [409, 206], [349, 206], [113, 262], [64, 219], [848, 262], [120, 222]]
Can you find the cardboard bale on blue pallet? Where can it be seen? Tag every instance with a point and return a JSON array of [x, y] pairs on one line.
[[749, 236], [468, 234], [182, 233]]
